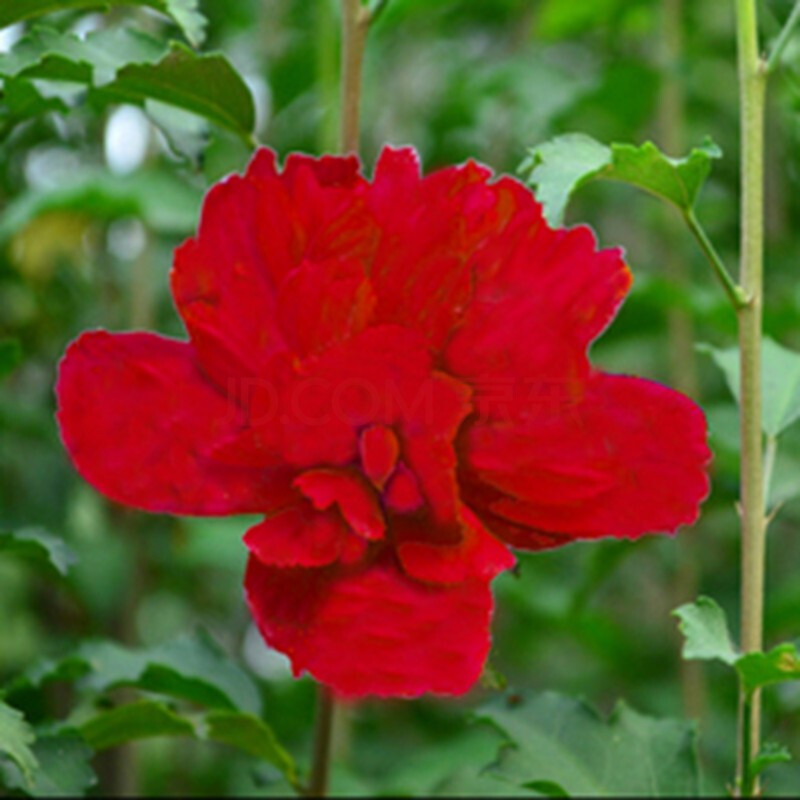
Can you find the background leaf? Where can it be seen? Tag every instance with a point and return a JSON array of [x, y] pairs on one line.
[[778, 665], [207, 85], [556, 168], [780, 375], [16, 738], [705, 629], [185, 13], [160, 199], [250, 734], [142, 720], [121, 65], [10, 356], [39, 545], [63, 767], [190, 667], [560, 742]]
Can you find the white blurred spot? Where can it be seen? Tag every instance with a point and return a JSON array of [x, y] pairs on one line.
[[126, 239], [264, 661], [87, 24], [9, 36], [127, 139], [50, 167]]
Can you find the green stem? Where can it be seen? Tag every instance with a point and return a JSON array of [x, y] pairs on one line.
[[747, 787], [737, 294], [770, 454], [323, 728], [355, 26], [783, 38], [327, 74], [752, 83]]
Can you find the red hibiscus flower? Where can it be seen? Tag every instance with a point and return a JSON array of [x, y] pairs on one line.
[[395, 374]]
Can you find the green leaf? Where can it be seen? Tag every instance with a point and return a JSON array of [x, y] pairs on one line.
[[38, 545], [555, 169], [10, 356], [142, 720], [250, 734], [705, 627], [778, 665], [185, 13], [22, 100], [160, 199], [205, 84], [151, 718], [780, 376], [64, 769], [190, 667], [561, 743], [49, 54], [558, 167], [120, 65], [16, 738], [771, 753]]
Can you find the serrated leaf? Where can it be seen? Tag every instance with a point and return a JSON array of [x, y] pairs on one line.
[[556, 168], [49, 54], [561, 742], [119, 65], [250, 734], [190, 667], [780, 382], [778, 665], [64, 769], [142, 720], [771, 753], [38, 545], [185, 13], [10, 356], [147, 719], [705, 629], [677, 180], [206, 85], [16, 738], [704, 625]]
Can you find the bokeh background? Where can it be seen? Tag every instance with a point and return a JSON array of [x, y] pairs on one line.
[[94, 199]]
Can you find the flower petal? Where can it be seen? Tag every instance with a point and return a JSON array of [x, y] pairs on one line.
[[374, 631], [354, 497], [379, 450], [420, 271], [299, 536], [324, 303], [223, 281], [627, 458], [254, 231], [140, 420], [478, 554], [540, 297]]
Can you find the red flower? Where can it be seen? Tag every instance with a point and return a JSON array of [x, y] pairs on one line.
[[395, 374]]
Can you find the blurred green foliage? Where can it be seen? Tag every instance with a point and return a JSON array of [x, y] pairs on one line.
[[102, 168]]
